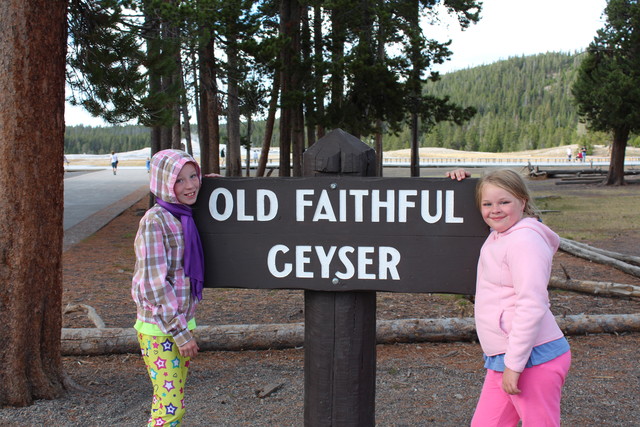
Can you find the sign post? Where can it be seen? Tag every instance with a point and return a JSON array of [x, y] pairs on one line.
[[339, 327], [341, 234]]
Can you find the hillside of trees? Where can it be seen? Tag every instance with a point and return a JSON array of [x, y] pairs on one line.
[[523, 103], [102, 140]]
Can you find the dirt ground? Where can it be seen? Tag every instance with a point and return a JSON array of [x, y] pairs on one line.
[[417, 384]]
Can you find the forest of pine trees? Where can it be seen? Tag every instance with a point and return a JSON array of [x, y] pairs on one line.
[[523, 103], [102, 140]]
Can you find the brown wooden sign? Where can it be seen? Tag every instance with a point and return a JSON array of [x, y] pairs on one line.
[[340, 233]]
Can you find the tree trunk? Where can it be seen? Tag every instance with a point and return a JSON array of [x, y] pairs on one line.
[[152, 36], [336, 45], [93, 341], [297, 108], [196, 91], [234, 166], [209, 132], [309, 115], [415, 147], [285, 139], [33, 49], [415, 89], [289, 64], [616, 164], [184, 107], [203, 123], [378, 147], [380, 57], [318, 48], [271, 119], [247, 159], [176, 131]]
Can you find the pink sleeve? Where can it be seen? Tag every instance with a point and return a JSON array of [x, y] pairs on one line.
[[529, 260]]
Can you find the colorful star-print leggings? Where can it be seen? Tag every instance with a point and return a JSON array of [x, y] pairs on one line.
[[168, 372]]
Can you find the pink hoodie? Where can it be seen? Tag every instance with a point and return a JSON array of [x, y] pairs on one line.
[[512, 303]]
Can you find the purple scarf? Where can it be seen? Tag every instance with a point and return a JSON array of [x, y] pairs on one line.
[[193, 256]]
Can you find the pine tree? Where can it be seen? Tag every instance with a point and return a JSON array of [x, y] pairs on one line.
[[607, 91]]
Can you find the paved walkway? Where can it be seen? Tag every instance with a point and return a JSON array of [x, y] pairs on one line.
[[93, 198]]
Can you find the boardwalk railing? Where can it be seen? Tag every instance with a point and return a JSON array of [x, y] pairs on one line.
[[591, 161]]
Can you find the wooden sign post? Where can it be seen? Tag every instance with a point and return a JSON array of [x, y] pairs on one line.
[[341, 234], [339, 327]]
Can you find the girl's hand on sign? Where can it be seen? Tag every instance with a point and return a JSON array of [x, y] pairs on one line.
[[458, 174], [213, 175]]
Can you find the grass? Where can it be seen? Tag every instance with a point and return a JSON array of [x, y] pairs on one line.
[[597, 213]]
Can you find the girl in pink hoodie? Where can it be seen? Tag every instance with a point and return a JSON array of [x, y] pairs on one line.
[[526, 354]]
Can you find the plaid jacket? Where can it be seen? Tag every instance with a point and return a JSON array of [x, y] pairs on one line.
[[160, 288]]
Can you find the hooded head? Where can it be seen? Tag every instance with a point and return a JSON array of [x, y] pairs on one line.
[[165, 167]]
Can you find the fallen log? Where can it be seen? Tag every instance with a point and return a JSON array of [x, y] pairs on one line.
[[91, 313], [569, 181], [582, 324], [426, 330], [553, 173], [569, 247], [635, 260], [608, 289], [92, 341]]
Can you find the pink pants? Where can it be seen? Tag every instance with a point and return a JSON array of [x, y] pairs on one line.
[[538, 403]]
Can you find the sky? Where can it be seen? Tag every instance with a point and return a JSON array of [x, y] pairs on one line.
[[507, 28]]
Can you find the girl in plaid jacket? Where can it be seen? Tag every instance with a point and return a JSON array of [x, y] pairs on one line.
[[167, 283]]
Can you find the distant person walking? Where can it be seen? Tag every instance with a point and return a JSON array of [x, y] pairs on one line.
[[114, 162], [568, 154], [584, 153]]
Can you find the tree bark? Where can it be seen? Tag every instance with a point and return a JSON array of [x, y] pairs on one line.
[[319, 66], [209, 131], [33, 49], [287, 79], [184, 109], [616, 164], [271, 119], [93, 342], [234, 166]]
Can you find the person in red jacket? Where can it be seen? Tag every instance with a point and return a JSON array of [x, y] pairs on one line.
[[526, 354]]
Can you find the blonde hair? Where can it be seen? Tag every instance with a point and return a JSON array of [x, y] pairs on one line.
[[510, 181]]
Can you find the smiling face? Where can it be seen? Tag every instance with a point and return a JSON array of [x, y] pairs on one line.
[[500, 209], [187, 185]]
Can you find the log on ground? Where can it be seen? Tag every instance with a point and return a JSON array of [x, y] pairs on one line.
[[629, 259], [570, 247], [608, 289], [93, 341]]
